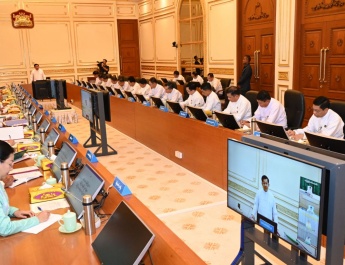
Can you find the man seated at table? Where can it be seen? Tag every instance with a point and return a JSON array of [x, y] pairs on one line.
[[133, 85], [106, 81], [324, 121], [269, 110], [123, 85], [177, 76], [171, 93], [216, 84], [28, 218], [144, 88], [156, 89], [194, 99], [197, 78], [114, 83], [98, 81], [212, 100], [239, 106]]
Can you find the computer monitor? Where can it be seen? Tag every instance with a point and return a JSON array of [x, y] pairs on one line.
[[180, 82], [227, 120], [88, 182], [102, 88], [129, 94], [79, 83], [66, 154], [324, 142], [119, 92], [158, 102], [84, 84], [124, 239], [198, 113], [45, 125], [272, 129], [89, 85], [41, 89], [61, 94], [53, 136], [175, 106], [38, 117], [141, 98], [284, 189], [111, 92], [94, 86], [101, 99], [32, 109], [86, 105], [165, 81]]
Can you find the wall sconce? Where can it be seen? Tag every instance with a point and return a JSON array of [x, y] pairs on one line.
[[174, 44]]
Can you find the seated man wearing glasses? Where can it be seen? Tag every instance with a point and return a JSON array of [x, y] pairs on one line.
[[324, 121]]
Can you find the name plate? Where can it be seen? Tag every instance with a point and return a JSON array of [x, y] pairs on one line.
[[53, 120], [46, 112], [40, 106], [183, 114], [119, 96], [164, 109], [61, 128], [91, 157], [130, 99], [146, 103], [256, 133], [121, 187], [212, 122], [72, 139]]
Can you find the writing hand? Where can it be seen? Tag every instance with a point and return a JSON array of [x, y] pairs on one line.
[[43, 216], [23, 214]]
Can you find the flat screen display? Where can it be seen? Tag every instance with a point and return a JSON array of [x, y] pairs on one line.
[[45, 125], [281, 193], [53, 136], [66, 154], [86, 105]]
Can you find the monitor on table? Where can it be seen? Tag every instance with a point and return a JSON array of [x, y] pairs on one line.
[[175, 106], [324, 142], [272, 129], [158, 102], [66, 154], [227, 120], [198, 113]]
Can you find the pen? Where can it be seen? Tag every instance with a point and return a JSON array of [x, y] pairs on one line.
[[39, 208]]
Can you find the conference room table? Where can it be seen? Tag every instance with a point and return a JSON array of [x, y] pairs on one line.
[[203, 147], [52, 247]]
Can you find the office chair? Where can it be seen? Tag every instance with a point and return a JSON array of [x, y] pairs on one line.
[[251, 96], [295, 108], [159, 82], [225, 82], [188, 78], [339, 107]]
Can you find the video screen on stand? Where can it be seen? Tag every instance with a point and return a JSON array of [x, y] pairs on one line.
[[86, 105], [282, 194]]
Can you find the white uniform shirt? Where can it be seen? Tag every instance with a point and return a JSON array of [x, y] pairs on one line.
[[212, 102], [195, 100], [174, 96], [273, 113], [108, 82], [98, 81], [180, 77], [157, 92], [329, 125], [145, 91], [265, 205], [217, 85], [241, 109], [125, 86], [37, 75], [135, 88], [198, 79]]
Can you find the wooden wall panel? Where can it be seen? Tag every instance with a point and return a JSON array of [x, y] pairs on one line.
[[126, 10], [48, 9], [93, 10]]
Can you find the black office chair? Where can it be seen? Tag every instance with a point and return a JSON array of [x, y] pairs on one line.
[[295, 108], [159, 82], [225, 82], [188, 78], [251, 96], [339, 107]]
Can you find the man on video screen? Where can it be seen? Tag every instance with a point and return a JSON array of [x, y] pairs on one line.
[[265, 203]]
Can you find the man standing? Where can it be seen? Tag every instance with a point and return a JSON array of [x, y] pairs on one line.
[[324, 121], [265, 203], [103, 67], [37, 74], [244, 82]]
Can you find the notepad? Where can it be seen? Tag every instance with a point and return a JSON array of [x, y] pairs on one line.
[[41, 226], [25, 174]]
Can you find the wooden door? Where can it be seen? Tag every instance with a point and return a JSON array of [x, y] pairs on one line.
[[257, 38], [320, 54], [128, 47]]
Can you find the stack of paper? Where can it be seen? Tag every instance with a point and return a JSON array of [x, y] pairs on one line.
[[24, 174]]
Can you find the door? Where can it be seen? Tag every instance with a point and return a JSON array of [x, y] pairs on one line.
[[320, 67], [257, 38], [128, 47]]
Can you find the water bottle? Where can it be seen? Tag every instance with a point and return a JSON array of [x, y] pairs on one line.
[[42, 135], [34, 123], [51, 148], [253, 125], [65, 175], [89, 215], [213, 115]]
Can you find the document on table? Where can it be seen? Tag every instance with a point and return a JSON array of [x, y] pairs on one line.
[[22, 175], [41, 226], [49, 205]]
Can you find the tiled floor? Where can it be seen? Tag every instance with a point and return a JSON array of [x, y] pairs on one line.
[[191, 207]]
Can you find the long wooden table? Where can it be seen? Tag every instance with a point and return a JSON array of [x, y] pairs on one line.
[[52, 247], [203, 147]]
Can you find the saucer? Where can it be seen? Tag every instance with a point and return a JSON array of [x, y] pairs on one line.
[[62, 229]]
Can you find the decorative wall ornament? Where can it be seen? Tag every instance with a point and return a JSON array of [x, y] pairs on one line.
[[22, 19], [311, 44], [333, 3], [166, 68], [258, 14], [340, 42], [147, 68], [222, 71], [283, 76]]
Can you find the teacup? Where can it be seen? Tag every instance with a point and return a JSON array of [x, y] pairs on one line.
[[69, 221], [50, 181], [38, 159]]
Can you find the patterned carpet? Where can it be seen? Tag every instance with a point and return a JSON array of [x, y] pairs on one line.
[[191, 207]]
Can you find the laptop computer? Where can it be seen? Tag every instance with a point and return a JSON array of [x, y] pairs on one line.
[[272, 129], [164, 80], [175, 106], [129, 94], [329, 143], [124, 239], [110, 91], [158, 102], [141, 98], [227, 120], [180, 82], [87, 182], [198, 113], [119, 92]]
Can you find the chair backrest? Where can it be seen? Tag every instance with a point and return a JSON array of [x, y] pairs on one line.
[[188, 78], [225, 82], [339, 107], [294, 104], [251, 96], [159, 82]]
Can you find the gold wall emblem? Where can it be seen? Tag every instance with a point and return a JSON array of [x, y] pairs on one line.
[[22, 19]]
